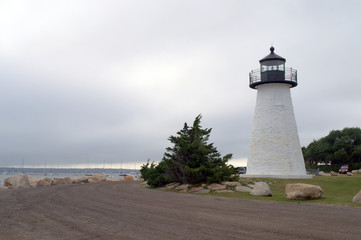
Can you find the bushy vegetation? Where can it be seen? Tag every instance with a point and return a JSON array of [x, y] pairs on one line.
[[191, 160], [338, 147]]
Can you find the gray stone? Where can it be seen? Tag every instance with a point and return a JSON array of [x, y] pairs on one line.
[[183, 186], [80, 180], [44, 182], [195, 189], [232, 184], [17, 181], [251, 185], [59, 181], [173, 185], [349, 174], [261, 189], [357, 198], [216, 186], [204, 191], [334, 174], [302, 191], [33, 181], [321, 173], [224, 191], [243, 189]]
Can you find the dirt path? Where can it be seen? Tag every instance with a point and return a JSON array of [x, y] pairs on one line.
[[124, 210]]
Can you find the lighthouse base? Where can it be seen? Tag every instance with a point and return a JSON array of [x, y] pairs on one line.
[[278, 176]]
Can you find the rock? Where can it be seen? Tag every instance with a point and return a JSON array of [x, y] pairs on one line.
[[261, 189], [120, 180], [251, 186], [216, 186], [334, 174], [3, 188], [357, 198], [80, 180], [195, 189], [204, 191], [127, 178], [354, 171], [44, 182], [321, 173], [17, 181], [224, 191], [349, 174], [33, 181], [232, 184], [183, 186], [184, 190], [98, 177], [302, 191], [243, 189], [173, 185], [59, 181]]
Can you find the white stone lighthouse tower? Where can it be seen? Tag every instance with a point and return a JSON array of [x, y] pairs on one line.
[[275, 149]]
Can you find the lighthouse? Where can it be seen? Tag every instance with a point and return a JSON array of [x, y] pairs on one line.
[[275, 149]]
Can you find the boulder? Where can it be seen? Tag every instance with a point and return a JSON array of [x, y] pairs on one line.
[[302, 191], [17, 181], [33, 181], [357, 198], [98, 177], [183, 186], [44, 182], [354, 171], [243, 189], [334, 174], [216, 186], [251, 185], [128, 178], [204, 191], [232, 184], [173, 185], [80, 180], [321, 173], [196, 189], [261, 189], [59, 181], [349, 174], [224, 191]]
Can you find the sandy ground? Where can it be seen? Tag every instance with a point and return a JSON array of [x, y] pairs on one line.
[[125, 210]]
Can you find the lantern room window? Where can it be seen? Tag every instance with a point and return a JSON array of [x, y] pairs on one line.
[[280, 67]]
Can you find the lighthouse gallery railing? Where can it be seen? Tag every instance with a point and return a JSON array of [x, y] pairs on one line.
[[290, 76]]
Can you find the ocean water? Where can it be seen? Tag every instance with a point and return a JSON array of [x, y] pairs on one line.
[[111, 175]]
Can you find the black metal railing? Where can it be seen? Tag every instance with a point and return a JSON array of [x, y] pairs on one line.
[[289, 77]]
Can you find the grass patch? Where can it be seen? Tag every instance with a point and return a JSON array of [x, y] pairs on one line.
[[338, 190]]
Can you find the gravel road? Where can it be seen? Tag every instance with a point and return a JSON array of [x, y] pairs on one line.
[[125, 210]]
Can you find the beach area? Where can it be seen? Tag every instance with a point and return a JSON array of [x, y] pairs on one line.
[[128, 210]]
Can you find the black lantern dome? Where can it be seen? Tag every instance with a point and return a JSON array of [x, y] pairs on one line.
[[272, 71]]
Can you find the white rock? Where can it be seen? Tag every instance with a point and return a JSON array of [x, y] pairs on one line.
[[302, 191], [216, 186], [183, 186], [357, 198], [243, 189], [261, 189], [17, 181]]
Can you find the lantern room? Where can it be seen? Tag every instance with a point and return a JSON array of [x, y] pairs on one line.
[[273, 70]]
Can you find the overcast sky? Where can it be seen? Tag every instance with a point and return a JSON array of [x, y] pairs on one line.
[[109, 81]]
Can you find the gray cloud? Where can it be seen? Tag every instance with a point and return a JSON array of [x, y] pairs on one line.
[[112, 80]]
